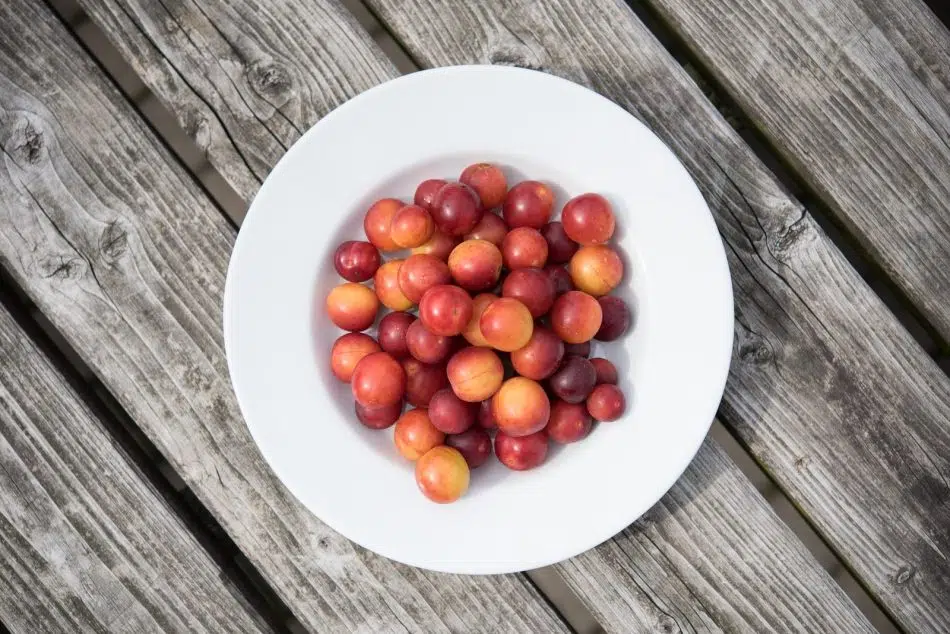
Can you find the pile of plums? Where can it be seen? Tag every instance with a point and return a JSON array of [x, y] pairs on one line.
[[506, 308]]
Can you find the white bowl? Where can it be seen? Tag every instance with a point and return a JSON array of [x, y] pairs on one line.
[[673, 363]]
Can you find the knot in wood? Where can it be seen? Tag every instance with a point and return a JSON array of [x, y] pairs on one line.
[[904, 574], [508, 57], [668, 625], [513, 50], [755, 350], [27, 142], [783, 243], [61, 267], [113, 241], [271, 81]]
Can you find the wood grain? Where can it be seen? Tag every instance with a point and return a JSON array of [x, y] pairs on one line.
[[126, 256], [711, 556], [855, 95], [86, 543], [673, 585], [244, 79], [152, 342], [827, 390]]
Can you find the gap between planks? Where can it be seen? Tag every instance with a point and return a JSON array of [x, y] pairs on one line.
[[155, 115], [146, 457], [232, 205], [870, 271]]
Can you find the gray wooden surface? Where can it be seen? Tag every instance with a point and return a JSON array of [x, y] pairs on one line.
[[855, 95], [711, 556], [86, 544], [827, 390], [126, 256], [244, 79], [147, 323]]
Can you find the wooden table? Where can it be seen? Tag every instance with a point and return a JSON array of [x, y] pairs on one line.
[[817, 130]]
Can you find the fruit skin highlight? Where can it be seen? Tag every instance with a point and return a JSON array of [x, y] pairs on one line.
[[419, 273], [488, 182], [445, 310], [426, 191], [475, 374], [456, 209], [392, 333], [524, 247], [386, 285], [588, 219], [606, 403], [352, 306], [540, 357], [521, 453], [378, 380], [377, 223], [576, 317], [533, 288], [574, 380], [356, 261], [475, 265], [596, 270], [412, 226], [415, 434], [520, 407], [506, 324], [442, 474], [348, 350], [528, 204], [570, 422]]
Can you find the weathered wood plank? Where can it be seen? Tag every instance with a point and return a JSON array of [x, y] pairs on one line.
[[809, 596], [855, 95], [827, 390], [244, 79], [126, 256], [711, 556], [86, 543]]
